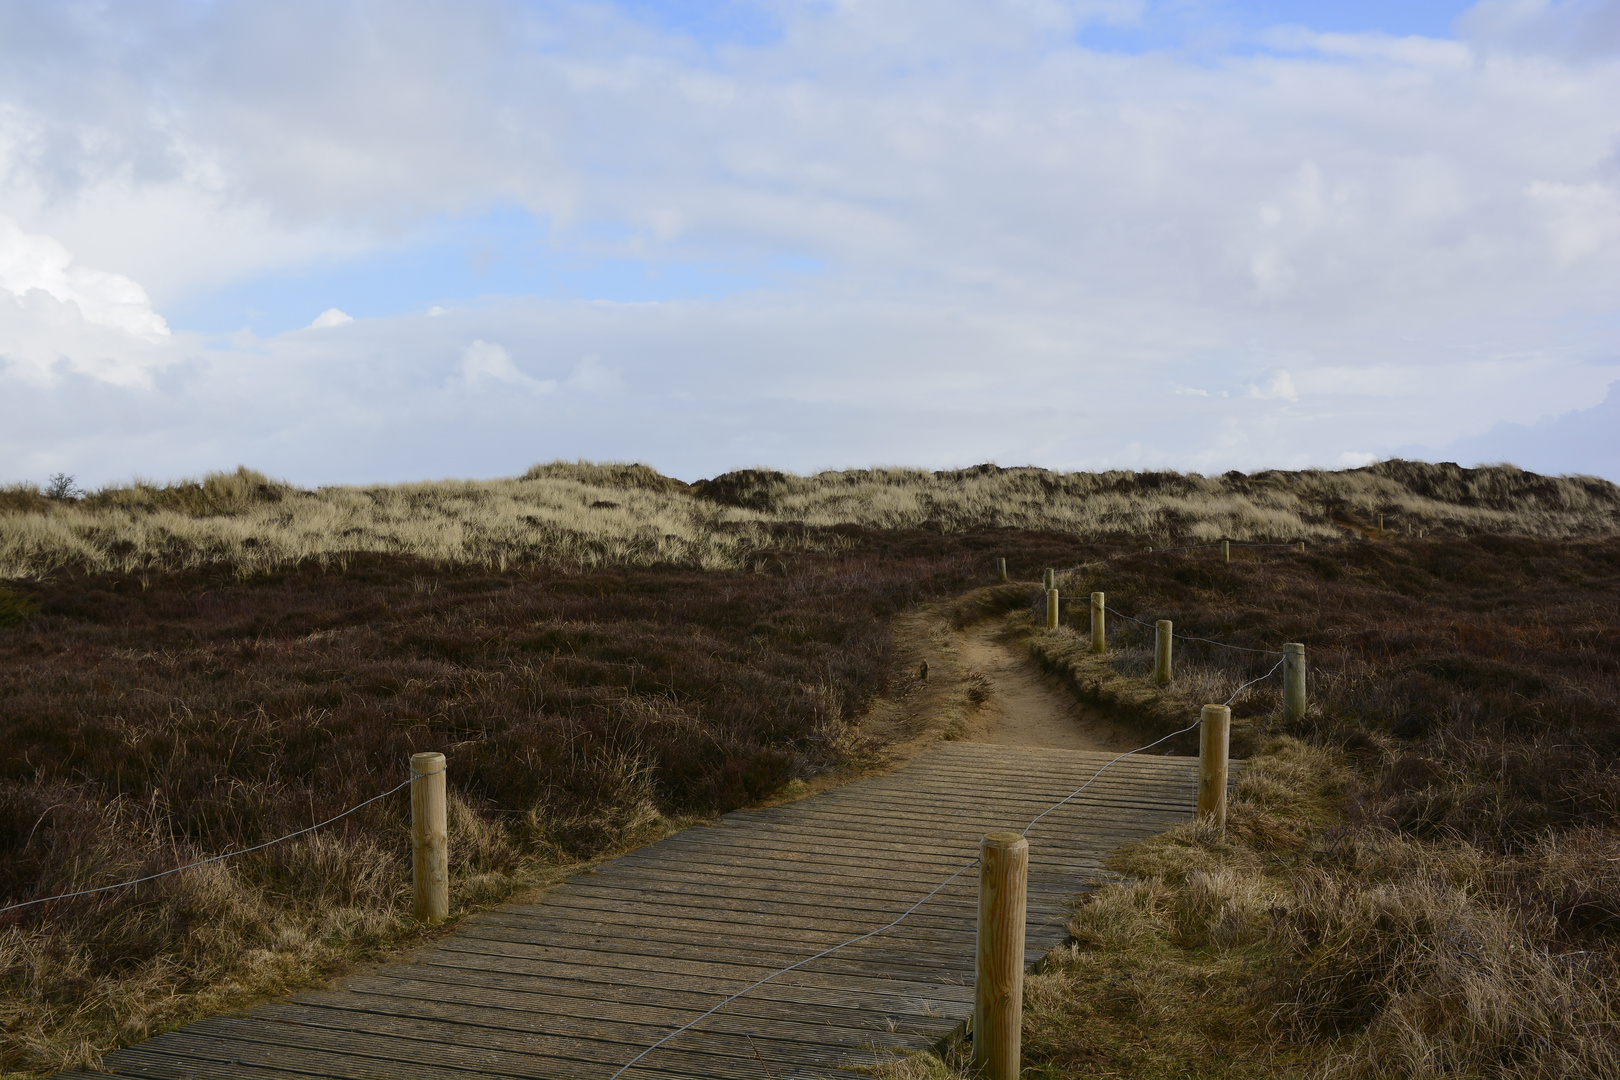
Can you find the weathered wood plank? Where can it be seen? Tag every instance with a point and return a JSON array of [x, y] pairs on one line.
[[607, 964]]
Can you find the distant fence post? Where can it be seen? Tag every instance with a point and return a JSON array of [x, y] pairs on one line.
[[430, 837], [1226, 550], [1001, 569], [1099, 643], [1214, 738], [998, 971], [1049, 579], [1293, 680], [1302, 547], [1052, 609], [1161, 652]]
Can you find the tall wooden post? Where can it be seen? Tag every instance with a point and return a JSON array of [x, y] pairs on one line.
[[1161, 652], [1214, 737], [1099, 643], [1293, 680], [430, 838], [998, 973], [1001, 569], [1049, 579], [1226, 550], [1051, 609]]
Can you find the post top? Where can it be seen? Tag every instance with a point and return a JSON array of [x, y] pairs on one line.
[[1227, 709], [1097, 596], [427, 761], [1293, 646], [1003, 840]]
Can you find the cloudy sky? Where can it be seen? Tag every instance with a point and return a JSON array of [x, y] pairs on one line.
[[344, 241]]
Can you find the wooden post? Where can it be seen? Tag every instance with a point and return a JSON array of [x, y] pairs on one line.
[[1408, 528], [1049, 579], [998, 971], [1161, 652], [430, 838], [1051, 609], [1099, 643], [1380, 522], [1302, 547], [1214, 737], [1001, 569], [1226, 550], [1293, 680]]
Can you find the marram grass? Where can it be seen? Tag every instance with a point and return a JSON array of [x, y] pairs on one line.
[[587, 515]]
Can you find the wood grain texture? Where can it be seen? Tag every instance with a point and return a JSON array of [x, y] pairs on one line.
[[998, 988], [1214, 740], [608, 963]]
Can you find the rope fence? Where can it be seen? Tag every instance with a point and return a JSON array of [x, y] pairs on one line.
[[1003, 858], [964, 868], [216, 858], [996, 1038]]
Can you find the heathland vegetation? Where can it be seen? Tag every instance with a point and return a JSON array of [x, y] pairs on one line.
[[580, 514], [1422, 877]]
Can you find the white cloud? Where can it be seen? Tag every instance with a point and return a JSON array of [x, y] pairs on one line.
[[1417, 236], [483, 363], [1581, 219], [330, 317], [30, 262], [58, 316], [1281, 387], [592, 377]]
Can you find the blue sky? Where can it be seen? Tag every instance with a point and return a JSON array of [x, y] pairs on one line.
[[345, 240]]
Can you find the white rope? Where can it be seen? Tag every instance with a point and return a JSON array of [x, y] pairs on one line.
[[825, 952], [1099, 772], [216, 858], [1251, 682], [1178, 637], [896, 921]]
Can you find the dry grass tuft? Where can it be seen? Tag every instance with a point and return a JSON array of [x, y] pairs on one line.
[[584, 514]]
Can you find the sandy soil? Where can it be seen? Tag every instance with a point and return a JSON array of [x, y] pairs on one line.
[[1026, 707]]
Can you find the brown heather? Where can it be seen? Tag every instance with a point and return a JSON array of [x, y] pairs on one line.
[[1421, 879], [150, 720]]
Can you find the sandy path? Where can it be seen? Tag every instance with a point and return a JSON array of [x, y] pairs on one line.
[[1027, 708]]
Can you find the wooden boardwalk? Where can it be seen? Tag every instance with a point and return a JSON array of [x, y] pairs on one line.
[[612, 961]]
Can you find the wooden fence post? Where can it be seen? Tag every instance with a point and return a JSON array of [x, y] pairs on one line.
[[1214, 737], [1049, 579], [998, 971], [1001, 569], [1293, 680], [1302, 547], [1099, 643], [1226, 550], [1051, 609], [1161, 652], [430, 861]]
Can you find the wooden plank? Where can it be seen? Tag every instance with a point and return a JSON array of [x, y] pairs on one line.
[[614, 960]]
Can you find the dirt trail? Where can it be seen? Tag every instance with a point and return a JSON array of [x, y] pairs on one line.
[[1027, 708]]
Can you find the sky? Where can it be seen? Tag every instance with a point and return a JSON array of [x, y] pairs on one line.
[[344, 241]]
